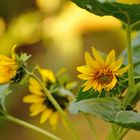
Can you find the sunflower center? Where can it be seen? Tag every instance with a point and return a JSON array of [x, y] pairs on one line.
[[105, 79], [61, 100]]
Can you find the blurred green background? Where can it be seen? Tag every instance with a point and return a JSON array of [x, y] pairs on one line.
[[56, 33]]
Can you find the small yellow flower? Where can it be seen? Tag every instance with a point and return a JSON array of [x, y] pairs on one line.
[[101, 74], [8, 68], [40, 103]]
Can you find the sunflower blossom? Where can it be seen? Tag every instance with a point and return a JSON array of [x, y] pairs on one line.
[[12, 69], [101, 74], [8, 68], [40, 104]]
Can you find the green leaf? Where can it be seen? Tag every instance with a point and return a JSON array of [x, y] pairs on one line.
[[104, 108], [4, 91], [128, 13], [136, 27], [128, 119], [86, 95]]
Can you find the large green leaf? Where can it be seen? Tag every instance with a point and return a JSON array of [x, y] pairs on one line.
[[128, 13], [104, 108], [128, 119], [108, 109], [4, 91]]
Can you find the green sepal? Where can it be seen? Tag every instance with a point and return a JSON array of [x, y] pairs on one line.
[[21, 75]]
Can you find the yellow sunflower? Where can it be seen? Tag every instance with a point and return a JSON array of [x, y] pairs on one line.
[[101, 74], [8, 68], [40, 103]]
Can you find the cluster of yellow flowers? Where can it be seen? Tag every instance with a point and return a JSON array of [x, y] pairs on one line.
[[98, 74]]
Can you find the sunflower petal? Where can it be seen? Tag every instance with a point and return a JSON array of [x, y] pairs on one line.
[[122, 70], [54, 119], [110, 58], [34, 83], [95, 85], [84, 76], [35, 90], [98, 57], [90, 62], [31, 99], [99, 87], [47, 75], [112, 84], [4, 60], [88, 85], [85, 70], [45, 115], [117, 64], [13, 53], [40, 108], [35, 106]]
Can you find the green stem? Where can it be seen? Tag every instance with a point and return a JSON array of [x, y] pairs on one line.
[[114, 131], [123, 134], [30, 126], [130, 59], [110, 134], [117, 132], [135, 77], [120, 129], [131, 88], [56, 105], [91, 126]]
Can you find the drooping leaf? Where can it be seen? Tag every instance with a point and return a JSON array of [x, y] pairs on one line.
[[128, 13], [4, 91], [128, 119], [104, 108]]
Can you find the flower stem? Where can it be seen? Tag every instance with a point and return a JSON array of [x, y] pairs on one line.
[[57, 106], [91, 126], [135, 77], [131, 88], [30, 126], [117, 132], [110, 134], [130, 58], [123, 134]]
